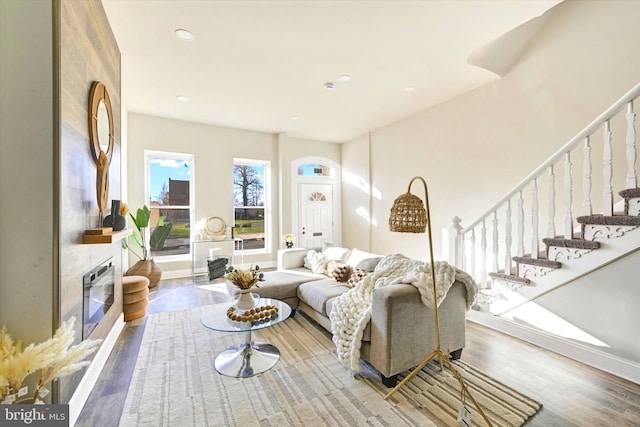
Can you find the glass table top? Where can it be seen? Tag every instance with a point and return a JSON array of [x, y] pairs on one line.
[[215, 317]]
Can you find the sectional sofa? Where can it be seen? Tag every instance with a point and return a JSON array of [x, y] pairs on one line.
[[400, 333]]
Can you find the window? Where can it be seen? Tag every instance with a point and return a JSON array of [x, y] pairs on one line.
[[315, 169], [170, 196], [250, 210]]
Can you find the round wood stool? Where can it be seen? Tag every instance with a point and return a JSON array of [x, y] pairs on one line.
[[135, 296]]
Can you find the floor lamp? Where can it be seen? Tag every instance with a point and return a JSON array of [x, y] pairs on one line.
[[408, 215]]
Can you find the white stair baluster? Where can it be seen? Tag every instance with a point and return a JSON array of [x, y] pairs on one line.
[[534, 220], [607, 171], [483, 246], [551, 203], [632, 180], [496, 264], [507, 239], [472, 255], [587, 209], [520, 251], [568, 198]]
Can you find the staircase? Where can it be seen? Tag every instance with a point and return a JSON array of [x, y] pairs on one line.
[[522, 259]]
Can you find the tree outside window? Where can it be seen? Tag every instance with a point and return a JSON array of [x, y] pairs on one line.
[[249, 202]]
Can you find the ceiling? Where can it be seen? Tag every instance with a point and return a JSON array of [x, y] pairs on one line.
[[256, 64]]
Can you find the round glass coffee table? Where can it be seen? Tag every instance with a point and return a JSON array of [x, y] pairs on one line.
[[249, 358]]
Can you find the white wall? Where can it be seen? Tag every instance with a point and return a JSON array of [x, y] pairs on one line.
[[604, 304], [473, 149], [27, 186], [214, 149]]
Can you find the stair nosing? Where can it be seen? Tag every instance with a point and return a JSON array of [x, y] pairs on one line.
[[633, 221], [571, 243], [510, 278], [542, 262]]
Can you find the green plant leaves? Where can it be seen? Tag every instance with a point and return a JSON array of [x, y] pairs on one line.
[[160, 235]]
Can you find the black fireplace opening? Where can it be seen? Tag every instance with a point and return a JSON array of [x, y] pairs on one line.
[[98, 287]]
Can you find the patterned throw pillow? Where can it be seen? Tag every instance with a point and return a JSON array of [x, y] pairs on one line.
[[356, 277], [341, 272]]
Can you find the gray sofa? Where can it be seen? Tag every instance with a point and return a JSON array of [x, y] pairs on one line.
[[401, 331]]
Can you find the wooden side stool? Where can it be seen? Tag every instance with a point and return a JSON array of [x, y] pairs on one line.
[[135, 296]]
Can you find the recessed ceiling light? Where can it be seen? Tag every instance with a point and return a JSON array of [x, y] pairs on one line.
[[409, 89], [182, 98], [294, 117], [184, 35], [344, 78]]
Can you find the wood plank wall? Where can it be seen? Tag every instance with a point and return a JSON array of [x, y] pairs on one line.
[[89, 53]]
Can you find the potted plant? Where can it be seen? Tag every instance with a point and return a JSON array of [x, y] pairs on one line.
[[288, 240], [146, 266]]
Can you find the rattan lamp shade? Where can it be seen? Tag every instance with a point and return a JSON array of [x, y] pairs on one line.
[[408, 214]]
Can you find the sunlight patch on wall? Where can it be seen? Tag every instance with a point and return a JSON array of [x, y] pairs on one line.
[[362, 212], [534, 315], [361, 184]]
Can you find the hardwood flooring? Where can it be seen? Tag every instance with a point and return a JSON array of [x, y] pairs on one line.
[[572, 394]]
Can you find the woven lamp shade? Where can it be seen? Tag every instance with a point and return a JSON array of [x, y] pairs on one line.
[[408, 214]]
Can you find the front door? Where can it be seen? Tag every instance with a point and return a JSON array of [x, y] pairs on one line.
[[316, 215]]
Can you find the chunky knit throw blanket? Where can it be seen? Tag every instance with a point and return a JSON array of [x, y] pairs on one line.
[[352, 310]]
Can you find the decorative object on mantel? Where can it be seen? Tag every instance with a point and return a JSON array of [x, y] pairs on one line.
[[116, 218], [408, 215], [53, 358], [288, 240], [243, 281], [101, 141], [146, 266]]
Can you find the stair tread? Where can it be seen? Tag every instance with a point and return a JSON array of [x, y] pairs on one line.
[[510, 278], [571, 243], [630, 193], [609, 220], [543, 262]]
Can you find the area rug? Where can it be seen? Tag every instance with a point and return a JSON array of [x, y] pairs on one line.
[[175, 384]]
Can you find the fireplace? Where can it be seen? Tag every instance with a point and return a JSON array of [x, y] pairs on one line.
[[98, 295]]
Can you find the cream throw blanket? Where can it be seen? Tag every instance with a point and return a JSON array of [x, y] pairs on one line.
[[352, 310]]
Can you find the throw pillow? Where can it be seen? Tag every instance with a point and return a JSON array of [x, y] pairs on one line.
[[369, 264], [356, 277], [337, 253], [315, 261], [339, 271], [356, 256]]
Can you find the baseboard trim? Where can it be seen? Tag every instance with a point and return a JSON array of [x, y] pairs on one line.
[[612, 364], [80, 396]]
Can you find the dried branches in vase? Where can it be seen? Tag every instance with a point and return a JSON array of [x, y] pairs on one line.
[[244, 279], [54, 358]]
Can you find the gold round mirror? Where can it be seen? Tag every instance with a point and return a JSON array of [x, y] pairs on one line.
[[101, 139]]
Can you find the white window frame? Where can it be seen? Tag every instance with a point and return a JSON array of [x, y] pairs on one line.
[[267, 203], [147, 197]]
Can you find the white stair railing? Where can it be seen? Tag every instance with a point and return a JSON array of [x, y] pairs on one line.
[[464, 249]]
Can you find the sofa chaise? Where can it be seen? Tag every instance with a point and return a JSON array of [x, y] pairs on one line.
[[400, 333]]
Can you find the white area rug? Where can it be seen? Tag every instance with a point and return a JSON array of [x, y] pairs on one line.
[[175, 384]]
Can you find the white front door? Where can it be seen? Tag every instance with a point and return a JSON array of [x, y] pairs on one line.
[[316, 215]]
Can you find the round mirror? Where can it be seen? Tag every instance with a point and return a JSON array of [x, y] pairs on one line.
[[103, 126], [100, 122], [101, 139]]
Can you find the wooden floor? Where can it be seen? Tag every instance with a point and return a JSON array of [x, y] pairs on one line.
[[572, 394]]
